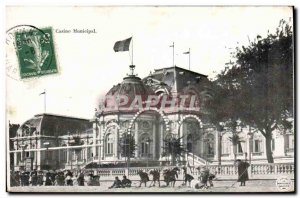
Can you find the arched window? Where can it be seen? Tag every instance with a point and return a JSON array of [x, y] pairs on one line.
[[210, 145], [145, 145], [109, 147]]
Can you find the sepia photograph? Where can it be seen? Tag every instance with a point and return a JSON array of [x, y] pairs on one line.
[[150, 99]]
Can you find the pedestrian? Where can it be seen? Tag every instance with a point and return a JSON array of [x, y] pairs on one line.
[[117, 183], [59, 179], [33, 178], [69, 181], [211, 177], [126, 182], [242, 172], [47, 179], [40, 177], [80, 179], [204, 174]]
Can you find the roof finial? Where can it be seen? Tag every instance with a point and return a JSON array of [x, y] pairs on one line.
[[131, 67]]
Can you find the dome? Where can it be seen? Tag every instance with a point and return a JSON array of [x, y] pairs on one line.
[[125, 94]]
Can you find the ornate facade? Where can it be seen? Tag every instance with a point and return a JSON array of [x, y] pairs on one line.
[[98, 140]]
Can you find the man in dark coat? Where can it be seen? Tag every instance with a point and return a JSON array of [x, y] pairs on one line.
[[242, 171], [80, 179], [117, 183], [126, 182]]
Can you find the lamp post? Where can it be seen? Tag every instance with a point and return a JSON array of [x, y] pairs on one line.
[[47, 144]]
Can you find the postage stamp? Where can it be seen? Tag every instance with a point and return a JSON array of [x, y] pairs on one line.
[[35, 52]]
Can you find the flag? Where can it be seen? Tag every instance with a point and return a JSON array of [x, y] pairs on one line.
[[172, 45], [186, 52], [121, 46], [42, 93]]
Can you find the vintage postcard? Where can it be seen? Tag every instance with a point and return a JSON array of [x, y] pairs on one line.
[[150, 99]]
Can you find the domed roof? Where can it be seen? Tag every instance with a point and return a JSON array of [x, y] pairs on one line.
[[121, 96]]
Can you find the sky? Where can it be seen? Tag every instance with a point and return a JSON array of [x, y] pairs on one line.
[[88, 66]]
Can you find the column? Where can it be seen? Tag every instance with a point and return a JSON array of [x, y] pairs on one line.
[[100, 140], [250, 146], [218, 147], [94, 136], [58, 158], [116, 147], [68, 155], [38, 157], [161, 142], [183, 141], [15, 160], [136, 125], [154, 139], [86, 151]]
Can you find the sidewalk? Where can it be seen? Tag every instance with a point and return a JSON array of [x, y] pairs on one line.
[[219, 186]]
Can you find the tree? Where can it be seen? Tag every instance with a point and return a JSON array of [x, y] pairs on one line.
[[223, 107], [262, 75], [235, 140], [173, 148], [127, 145]]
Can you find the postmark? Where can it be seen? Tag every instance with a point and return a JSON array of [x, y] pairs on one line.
[[284, 183], [30, 52]]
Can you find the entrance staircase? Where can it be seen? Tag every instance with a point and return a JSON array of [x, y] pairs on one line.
[[196, 161]]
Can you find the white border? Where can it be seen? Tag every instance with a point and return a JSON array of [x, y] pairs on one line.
[[103, 2]]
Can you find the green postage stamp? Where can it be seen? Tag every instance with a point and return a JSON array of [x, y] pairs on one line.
[[35, 51]]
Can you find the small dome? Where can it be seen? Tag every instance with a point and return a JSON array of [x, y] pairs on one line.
[[121, 96]]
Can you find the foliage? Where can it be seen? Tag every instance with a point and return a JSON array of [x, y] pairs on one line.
[[235, 139], [173, 147], [257, 88], [127, 144]]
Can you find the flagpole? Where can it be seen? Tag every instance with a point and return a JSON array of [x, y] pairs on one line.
[[189, 58], [173, 54], [132, 52]]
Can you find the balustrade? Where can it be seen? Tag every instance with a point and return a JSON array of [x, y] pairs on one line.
[[220, 170]]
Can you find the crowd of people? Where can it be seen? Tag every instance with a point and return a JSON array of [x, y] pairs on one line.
[[86, 178], [53, 178]]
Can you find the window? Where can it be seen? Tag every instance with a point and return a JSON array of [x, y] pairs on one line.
[[240, 147], [291, 142], [73, 155], [89, 152], [49, 155], [19, 157], [109, 148], [145, 148], [145, 145], [257, 146], [210, 144], [273, 144], [225, 147], [64, 155]]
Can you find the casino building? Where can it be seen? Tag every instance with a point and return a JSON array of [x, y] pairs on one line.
[[55, 141]]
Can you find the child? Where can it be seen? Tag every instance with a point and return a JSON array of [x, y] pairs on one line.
[[210, 178]]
